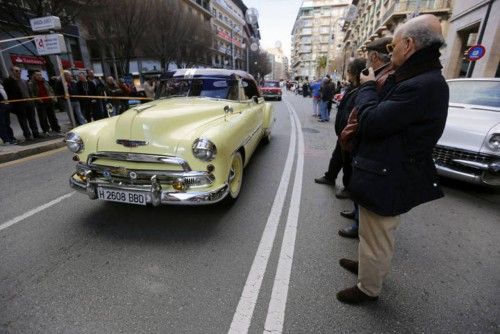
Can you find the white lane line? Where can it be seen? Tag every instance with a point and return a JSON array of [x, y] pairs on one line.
[[246, 305], [277, 305], [34, 211]]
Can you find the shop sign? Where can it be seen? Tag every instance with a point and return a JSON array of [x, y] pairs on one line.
[[27, 60], [50, 44], [45, 23]]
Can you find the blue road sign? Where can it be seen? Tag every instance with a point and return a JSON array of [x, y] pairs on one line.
[[476, 52]]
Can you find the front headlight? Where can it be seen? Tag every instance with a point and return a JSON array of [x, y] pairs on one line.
[[74, 142], [204, 149], [494, 142]]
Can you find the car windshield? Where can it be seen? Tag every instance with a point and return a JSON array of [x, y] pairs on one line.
[[271, 84], [217, 88], [484, 93]]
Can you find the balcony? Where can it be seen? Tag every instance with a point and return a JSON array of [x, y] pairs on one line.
[[400, 8]]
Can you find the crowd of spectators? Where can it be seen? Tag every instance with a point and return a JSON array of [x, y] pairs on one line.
[[90, 97]]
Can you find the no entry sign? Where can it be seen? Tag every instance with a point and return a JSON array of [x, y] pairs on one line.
[[476, 52]]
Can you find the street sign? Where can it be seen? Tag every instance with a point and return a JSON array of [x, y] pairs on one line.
[[50, 44], [476, 52], [45, 23]]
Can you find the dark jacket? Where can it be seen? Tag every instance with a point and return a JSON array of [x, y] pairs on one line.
[[344, 109], [327, 91], [86, 88], [393, 170]]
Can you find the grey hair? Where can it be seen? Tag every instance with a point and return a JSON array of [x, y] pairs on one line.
[[422, 34]]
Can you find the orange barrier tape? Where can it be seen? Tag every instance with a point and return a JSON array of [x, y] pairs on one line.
[[113, 97], [79, 97]]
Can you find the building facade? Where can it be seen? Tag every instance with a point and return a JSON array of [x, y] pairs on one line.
[[277, 61], [469, 18], [315, 36], [381, 18]]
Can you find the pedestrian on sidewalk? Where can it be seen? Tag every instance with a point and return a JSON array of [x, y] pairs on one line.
[[18, 89], [45, 105], [87, 88], [393, 169], [75, 102], [98, 110], [316, 96], [327, 90], [6, 133], [379, 59]]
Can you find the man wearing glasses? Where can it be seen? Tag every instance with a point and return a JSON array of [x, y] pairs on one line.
[[393, 170], [18, 89]]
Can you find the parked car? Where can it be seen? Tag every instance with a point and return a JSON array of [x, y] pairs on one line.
[[271, 90], [188, 146], [469, 149]]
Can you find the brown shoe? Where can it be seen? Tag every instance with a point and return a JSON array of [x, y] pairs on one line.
[[354, 296], [349, 265]]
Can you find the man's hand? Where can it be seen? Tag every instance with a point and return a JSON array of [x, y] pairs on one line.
[[365, 78]]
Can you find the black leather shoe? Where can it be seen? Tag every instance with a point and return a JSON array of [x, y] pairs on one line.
[[349, 265], [343, 194], [348, 214], [323, 180], [354, 296], [349, 232]]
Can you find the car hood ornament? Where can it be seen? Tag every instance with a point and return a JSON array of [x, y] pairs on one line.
[[131, 143]]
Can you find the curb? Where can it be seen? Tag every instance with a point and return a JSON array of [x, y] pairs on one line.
[[21, 152]]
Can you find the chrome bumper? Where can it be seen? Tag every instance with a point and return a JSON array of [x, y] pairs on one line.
[[154, 193], [487, 174]]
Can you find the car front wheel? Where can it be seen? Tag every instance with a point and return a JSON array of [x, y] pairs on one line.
[[235, 177]]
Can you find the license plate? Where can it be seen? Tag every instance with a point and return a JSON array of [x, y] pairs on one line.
[[121, 196]]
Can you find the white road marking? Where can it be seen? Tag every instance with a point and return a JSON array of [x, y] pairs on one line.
[[277, 305], [244, 311], [34, 211]]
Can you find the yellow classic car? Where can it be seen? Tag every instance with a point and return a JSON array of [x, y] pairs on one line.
[[188, 146]]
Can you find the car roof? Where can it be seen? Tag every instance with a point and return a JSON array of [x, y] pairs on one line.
[[474, 79], [207, 72]]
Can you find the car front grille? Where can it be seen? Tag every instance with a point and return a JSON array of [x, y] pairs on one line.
[[445, 155]]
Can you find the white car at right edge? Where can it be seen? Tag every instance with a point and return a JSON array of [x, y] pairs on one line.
[[469, 149]]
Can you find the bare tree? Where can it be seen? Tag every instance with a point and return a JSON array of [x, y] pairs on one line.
[[259, 64]]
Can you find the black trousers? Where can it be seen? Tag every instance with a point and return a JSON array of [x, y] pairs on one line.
[[336, 163], [47, 117], [6, 133], [26, 117]]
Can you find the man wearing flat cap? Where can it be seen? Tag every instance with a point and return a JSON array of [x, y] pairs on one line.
[[378, 59]]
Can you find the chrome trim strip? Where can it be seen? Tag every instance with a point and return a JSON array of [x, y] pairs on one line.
[[454, 174], [138, 157], [473, 164]]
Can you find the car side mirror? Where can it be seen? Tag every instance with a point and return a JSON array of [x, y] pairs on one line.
[[255, 99]]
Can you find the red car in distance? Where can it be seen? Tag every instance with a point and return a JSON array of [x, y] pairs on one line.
[[271, 89]]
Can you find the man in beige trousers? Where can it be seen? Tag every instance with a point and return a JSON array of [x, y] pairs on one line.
[[393, 170]]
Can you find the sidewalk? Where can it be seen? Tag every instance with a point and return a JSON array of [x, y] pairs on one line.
[[27, 148]]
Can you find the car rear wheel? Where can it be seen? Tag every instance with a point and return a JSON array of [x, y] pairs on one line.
[[235, 177]]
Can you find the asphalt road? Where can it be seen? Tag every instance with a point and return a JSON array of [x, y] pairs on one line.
[[82, 266]]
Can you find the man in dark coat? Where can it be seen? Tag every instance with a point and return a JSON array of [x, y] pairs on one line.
[[393, 170], [18, 89]]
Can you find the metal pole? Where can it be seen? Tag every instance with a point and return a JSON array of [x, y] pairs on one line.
[[232, 48], [4, 66], [480, 37], [248, 60]]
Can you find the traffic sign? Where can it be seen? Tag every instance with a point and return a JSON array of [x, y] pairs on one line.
[[50, 44], [476, 52], [45, 23]]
